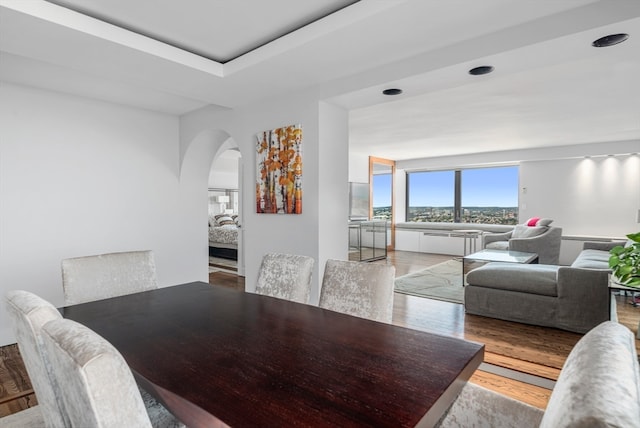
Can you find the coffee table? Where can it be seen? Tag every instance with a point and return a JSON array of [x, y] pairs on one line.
[[487, 256]]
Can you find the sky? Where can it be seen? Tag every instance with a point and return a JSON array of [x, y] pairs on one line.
[[480, 187]]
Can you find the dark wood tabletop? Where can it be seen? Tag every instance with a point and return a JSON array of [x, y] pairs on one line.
[[216, 357]]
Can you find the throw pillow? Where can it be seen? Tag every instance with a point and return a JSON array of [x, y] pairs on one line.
[[532, 221], [545, 222], [522, 231]]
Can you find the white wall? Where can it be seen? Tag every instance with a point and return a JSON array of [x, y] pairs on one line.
[[358, 168], [594, 197], [81, 177], [333, 192], [295, 234], [224, 171]]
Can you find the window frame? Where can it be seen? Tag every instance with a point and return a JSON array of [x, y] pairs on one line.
[[457, 207]]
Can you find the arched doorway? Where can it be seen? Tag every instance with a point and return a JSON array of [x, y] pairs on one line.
[[224, 211], [199, 153]]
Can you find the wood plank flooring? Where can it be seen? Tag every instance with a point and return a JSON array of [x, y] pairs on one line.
[[16, 393]]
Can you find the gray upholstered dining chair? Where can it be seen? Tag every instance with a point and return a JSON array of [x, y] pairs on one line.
[[98, 388], [85, 279], [285, 276], [29, 314], [598, 386], [358, 288]]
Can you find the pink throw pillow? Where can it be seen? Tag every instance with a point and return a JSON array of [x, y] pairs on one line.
[[533, 221]]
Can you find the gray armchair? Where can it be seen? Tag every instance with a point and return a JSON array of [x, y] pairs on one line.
[[546, 243]]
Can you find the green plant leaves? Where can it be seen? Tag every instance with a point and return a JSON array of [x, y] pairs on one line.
[[635, 237], [625, 262]]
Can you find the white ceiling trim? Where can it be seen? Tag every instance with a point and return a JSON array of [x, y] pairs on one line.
[[340, 19], [94, 27], [100, 29]]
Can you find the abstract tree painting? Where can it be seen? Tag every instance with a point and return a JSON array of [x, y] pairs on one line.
[[279, 170]]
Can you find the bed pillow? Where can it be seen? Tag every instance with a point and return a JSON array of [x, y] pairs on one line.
[[224, 220]]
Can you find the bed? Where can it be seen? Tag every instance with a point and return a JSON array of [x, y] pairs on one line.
[[223, 237]]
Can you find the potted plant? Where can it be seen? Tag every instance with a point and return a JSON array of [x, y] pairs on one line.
[[625, 262]]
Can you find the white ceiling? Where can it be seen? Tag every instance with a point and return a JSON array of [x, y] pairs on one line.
[[220, 30], [549, 87]]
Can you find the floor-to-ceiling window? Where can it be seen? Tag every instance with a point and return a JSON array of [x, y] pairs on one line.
[[478, 195]]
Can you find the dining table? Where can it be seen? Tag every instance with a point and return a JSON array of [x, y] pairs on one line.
[[215, 357]]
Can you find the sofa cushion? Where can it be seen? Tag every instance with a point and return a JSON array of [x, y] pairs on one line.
[[545, 222], [498, 245], [592, 259], [524, 231], [531, 279], [599, 385]]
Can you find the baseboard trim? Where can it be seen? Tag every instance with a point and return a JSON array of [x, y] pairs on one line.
[[516, 375]]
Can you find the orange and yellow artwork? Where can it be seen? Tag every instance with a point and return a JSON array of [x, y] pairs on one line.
[[279, 170]]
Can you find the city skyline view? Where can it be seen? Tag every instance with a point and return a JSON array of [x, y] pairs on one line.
[[488, 195]]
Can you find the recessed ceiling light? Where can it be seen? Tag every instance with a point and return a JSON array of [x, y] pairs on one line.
[[610, 40], [392, 91], [483, 69]]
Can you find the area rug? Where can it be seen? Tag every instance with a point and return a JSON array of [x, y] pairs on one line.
[[440, 282]]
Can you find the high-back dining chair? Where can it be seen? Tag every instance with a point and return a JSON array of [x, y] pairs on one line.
[[85, 279], [285, 276], [29, 314], [98, 388], [598, 386], [358, 288]]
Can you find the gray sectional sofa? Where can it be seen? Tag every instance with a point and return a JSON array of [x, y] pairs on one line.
[[573, 298]]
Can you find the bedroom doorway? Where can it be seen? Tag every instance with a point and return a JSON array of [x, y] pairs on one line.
[[225, 213]]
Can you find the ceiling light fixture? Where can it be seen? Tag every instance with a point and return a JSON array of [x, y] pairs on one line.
[[483, 69], [392, 91], [610, 40]]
